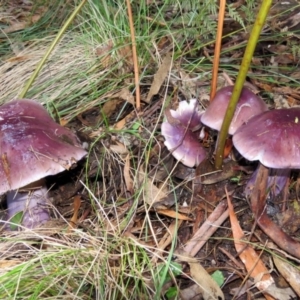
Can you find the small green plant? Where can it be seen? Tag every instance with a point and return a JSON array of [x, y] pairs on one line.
[[236, 179], [218, 277]]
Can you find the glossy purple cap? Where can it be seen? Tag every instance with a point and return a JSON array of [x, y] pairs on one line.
[[249, 105], [180, 139], [272, 137], [32, 145]]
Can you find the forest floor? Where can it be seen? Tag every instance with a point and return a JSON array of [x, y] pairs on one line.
[[129, 221]]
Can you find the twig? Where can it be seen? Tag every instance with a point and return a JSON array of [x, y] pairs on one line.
[[213, 222], [213, 87], [134, 57]]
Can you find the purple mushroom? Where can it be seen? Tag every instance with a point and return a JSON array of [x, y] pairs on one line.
[[249, 105], [182, 133], [32, 146], [273, 138], [277, 180]]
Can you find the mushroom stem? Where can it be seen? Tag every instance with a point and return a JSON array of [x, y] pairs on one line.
[[258, 203], [31, 201], [277, 180]]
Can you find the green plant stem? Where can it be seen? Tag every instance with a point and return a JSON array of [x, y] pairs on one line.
[[259, 22], [54, 43]]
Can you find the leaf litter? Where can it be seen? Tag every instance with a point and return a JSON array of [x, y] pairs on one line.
[[138, 192]]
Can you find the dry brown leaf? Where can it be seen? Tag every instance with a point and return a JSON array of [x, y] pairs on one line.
[[126, 95], [189, 85], [103, 52], [127, 177], [126, 53], [152, 194], [173, 214], [63, 122], [160, 76], [15, 27], [207, 287], [76, 204], [191, 292], [110, 106], [248, 256], [7, 264], [25, 19], [119, 148], [122, 123]]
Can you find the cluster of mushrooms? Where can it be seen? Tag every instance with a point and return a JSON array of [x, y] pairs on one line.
[[271, 137], [32, 147]]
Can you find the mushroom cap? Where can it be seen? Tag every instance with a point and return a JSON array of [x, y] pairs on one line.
[[32, 145], [180, 138], [249, 105], [272, 137]]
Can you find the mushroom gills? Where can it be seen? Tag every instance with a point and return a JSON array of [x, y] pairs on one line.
[[32, 202]]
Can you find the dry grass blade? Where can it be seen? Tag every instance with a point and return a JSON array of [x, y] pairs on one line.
[[48, 52], [54, 79], [135, 58], [217, 49]]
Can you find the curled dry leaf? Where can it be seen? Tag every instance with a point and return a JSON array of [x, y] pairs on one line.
[[121, 124], [160, 76], [127, 177], [125, 95], [118, 148], [152, 194]]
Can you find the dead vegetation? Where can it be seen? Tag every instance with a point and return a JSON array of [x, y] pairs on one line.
[[131, 222]]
